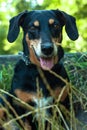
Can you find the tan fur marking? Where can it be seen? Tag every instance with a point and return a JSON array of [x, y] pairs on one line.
[[2, 113], [51, 21], [36, 23], [57, 40], [27, 38], [33, 57], [62, 92], [55, 59], [27, 125], [25, 96]]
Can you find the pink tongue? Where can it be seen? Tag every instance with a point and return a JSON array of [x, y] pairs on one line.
[[46, 63]]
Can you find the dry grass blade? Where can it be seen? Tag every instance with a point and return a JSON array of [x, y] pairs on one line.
[[45, 82], [27, 106]]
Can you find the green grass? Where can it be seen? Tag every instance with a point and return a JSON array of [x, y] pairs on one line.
[[6, 73], [77, 71]]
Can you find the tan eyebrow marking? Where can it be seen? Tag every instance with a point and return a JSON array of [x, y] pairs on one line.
[[36, 23], [51, 21]]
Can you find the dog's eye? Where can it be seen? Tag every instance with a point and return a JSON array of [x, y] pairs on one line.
[[56, 26], [32, 28], [33, 32]]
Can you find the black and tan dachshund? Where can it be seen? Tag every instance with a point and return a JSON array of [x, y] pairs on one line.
[[42, 37]]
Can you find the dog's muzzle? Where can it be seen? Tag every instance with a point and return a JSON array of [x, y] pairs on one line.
[[47, 60]]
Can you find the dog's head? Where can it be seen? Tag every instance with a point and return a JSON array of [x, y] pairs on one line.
[[42, 33]]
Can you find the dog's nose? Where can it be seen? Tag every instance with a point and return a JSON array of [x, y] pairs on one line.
[[47, 48]]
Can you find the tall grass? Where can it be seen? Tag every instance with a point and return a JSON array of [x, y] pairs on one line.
[[77, 71]]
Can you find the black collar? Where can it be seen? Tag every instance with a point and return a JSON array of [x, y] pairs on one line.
[[25, 58]]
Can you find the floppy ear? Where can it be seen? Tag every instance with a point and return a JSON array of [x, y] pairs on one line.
[[14, 27], [70, 24]]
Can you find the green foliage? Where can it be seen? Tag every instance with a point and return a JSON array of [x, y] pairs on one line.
[[11, 8], [6, 74], [76, 66]]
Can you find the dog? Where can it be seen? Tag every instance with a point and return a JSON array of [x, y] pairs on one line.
[[42, 55]]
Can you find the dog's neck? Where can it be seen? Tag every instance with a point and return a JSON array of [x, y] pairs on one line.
[[25, 58]]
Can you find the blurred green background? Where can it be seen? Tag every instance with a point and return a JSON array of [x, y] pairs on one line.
[[10, 8]]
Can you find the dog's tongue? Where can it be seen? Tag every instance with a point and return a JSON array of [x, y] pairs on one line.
[[46, 63]]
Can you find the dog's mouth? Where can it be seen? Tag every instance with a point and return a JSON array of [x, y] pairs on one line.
[[46, 63]]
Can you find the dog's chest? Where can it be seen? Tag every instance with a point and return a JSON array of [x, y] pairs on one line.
[[29, 79], [31, 85], [33, 81]]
